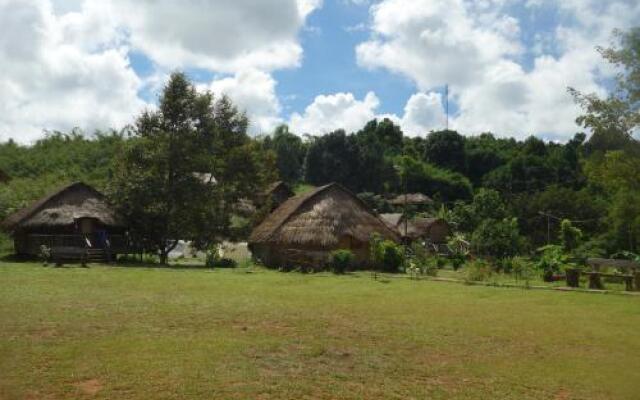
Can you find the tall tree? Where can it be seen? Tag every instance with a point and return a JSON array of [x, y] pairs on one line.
[[445, 149], [290, 151], [187, 163], [613, 119]]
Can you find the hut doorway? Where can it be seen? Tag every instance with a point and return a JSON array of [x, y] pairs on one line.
[[87, 226]]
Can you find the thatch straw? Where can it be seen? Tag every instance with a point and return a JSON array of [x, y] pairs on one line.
[[62, 208], [411, 199], [422, 228], [319, 219]]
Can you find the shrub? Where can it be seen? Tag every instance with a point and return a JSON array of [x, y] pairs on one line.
[[422, 262], [522, 269], [386, 255], [213, 259], [497, 238], [341, 260], [551, 261], [227, 263], [477, 271]]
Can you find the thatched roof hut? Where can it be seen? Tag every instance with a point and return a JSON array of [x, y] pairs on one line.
[[413, 199], [306, 228], [62, 208], [433, 230], [76, 209], [275, 194]]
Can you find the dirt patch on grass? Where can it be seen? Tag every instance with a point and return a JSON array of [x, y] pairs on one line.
[[43, 333], [90, 387]]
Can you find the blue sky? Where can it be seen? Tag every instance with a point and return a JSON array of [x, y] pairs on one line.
[[315, 65]]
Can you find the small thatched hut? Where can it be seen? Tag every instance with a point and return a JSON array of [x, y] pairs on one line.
[[306, 228], [276, 194], [70, 221], [431, 230], [411, 199]]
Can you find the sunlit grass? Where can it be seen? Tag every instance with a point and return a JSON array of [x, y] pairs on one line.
[[246, 333]]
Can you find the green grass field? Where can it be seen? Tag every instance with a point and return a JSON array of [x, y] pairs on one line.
[[142, 333]]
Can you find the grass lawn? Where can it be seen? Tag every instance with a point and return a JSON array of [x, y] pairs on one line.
[[142, 333]]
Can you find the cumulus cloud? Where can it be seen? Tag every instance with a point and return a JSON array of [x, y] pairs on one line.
[[253, 91], [225, 35], [476, 48], [50, 81], [65, 63], [336, 111], [423, 112]]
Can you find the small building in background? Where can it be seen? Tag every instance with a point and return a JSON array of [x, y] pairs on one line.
[[306, 228], [275, 194], [411, 199], [74, 222], [430, 230]]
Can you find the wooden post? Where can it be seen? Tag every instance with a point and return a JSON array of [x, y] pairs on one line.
[[594, 281], [573, 277]]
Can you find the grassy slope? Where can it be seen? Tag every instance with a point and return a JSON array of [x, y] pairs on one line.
[[137, 333]]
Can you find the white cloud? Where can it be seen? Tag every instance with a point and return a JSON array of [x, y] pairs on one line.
[[225, 35], [336, 111], [423, 112], [49, 81], [254, 92], [476, 48], [65, 63]]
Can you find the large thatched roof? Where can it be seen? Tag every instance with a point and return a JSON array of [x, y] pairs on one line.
[[319, 219], [411, 199], [62, 207]]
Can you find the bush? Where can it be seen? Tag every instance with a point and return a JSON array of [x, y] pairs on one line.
[[392, 256], [422, 262], [497, 238], [214, 260], [341, 260], [478, 271], [386, 255], [522, 269], [551, 261], [225, 263]]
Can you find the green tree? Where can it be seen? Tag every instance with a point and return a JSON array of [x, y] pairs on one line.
[[290, 151], [570, 236], [613, 119], [497, 238], [185, 167], [445, 149]]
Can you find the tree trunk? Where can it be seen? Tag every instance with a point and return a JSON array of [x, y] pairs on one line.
[[164, 257]]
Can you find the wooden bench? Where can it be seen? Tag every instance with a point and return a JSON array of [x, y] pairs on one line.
[[630, 276]]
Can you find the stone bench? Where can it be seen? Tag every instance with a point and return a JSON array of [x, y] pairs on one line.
[[630, 276]]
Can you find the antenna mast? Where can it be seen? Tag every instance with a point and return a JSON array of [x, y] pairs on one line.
[[446, 106]]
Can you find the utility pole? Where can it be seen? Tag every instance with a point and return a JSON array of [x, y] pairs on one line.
[[446, 106]]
